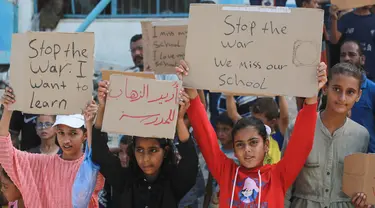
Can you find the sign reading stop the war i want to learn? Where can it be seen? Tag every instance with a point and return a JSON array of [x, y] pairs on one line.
[[51, 73], [142, 107], [254, 50], [164, 45]]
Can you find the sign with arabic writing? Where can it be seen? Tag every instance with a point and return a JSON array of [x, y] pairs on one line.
[[142, 107]]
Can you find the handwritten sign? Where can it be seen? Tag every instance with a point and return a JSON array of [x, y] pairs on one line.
[[359, 176], [106, 74], [51, 73], [142, 107], [164, 45], [350, 4], [254, 50]]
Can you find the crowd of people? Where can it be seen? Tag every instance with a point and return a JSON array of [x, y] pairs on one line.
[[246, 153]]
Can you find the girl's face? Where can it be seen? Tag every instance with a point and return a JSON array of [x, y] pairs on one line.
[[123, 155], [44, 127], [249, 147], [149, 155], [342, 93], [9, 190], [70, 139], [224, 133]]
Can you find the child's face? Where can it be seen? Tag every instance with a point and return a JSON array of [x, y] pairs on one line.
[[9, 190], [265, 120], [123, 155], [44, 127], [249, 147], [149, 155], [224, 133], [342, 93], [312, 4], [70, 139]]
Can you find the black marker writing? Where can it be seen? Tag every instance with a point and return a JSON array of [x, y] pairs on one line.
[[80, 69], [223, 63], [274, 30], [47, 104], [235, 80], [47, 50], [239, 26], [49, 85], [49, 68]]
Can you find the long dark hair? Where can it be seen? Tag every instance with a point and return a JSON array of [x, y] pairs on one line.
[[170, 158]]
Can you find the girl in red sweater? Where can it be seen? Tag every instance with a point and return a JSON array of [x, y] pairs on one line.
[[253, 184]]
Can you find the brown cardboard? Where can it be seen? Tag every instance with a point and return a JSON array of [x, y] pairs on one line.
[[63, 83], [351, 4], [164, 45], [107, 73], [292, 52], [359, 175], [142, 107]]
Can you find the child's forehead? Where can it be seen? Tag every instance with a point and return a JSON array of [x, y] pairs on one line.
[[223, 125], [66, 128]]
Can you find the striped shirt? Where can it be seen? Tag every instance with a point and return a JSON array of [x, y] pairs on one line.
[[45, 181]]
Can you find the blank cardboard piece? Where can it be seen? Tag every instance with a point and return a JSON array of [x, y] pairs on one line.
[[106, 74], [142, 107], [51, 73], [254, 50], [164, 45], [359, 172], [351, 4]]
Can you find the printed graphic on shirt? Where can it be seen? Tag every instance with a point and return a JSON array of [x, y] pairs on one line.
[[267, 3], [249, 193]]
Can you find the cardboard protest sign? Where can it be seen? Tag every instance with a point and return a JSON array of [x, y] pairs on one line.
[[51, 73], [142, 107], [164, 45], [359, 175], [351, 4], [106, 74], [254, 50]]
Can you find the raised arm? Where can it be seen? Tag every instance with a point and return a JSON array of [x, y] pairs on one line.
[[110, 165], [284, 115], [185, 176], [335, 33], [204, 133], [232, 108], [302, 138], [21, 167]]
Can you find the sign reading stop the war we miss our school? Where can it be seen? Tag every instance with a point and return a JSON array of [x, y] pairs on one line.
[[254, 50], [51, 73], [142, 107], [164, 44]]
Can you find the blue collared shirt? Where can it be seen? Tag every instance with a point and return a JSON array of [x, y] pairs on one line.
[[364, 110]]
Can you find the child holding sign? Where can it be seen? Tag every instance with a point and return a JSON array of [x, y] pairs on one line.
[[253, 184], [319, 183], [152, 179], [46, 180]]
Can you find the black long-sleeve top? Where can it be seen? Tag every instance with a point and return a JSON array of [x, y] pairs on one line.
[[131, 189]]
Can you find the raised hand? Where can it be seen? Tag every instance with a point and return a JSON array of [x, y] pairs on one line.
[[8, 98], [322, 75], [183, 70], [103, 91], [184, 104], [90, 113]]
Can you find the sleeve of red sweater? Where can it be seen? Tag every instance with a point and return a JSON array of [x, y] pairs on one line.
[[299, 146], [206, 138]]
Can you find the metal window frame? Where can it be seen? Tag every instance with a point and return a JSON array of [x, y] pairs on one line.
[[114, 13]]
